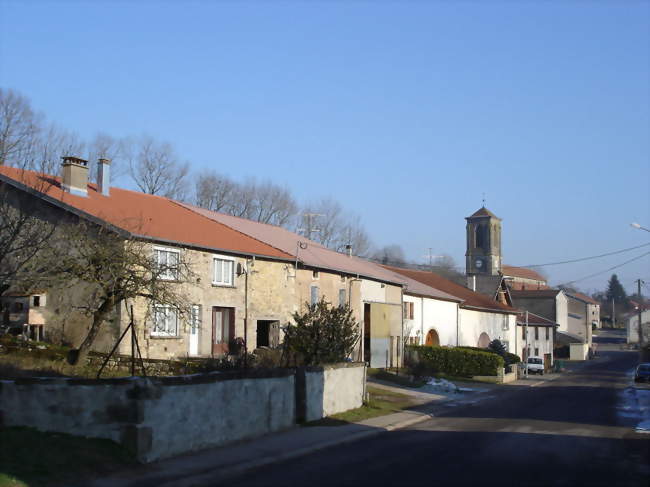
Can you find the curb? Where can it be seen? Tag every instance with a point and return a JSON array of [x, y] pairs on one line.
[[210, 477]]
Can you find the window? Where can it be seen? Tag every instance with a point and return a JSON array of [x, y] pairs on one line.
[[223, 272], [167, 261], [165, 321], [19, 306], [547, 332], [36, 301], [408, 311], [536, 333], [315, 274], [342, 297], [506, 325], [506, 344], [537, 352], [523, 332], [314, 294]]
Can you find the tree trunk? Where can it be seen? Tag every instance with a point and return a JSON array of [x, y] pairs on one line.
[[80, 354]]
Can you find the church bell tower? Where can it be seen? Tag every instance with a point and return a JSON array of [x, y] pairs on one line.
[[483, 255]]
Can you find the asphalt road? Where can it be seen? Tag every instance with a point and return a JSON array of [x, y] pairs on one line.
[[563, 432]]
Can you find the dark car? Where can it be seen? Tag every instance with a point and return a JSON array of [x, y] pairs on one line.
[[642, 373]]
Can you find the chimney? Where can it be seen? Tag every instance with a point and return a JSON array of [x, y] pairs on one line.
[[104, 176], [75, 176], [471, 282], [348, 250]]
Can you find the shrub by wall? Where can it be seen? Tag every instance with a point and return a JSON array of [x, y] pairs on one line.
[[456, 361]]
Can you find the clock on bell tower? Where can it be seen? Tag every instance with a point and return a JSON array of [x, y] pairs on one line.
[[483, 255]]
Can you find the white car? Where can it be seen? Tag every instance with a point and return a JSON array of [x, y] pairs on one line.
[[535, 365]]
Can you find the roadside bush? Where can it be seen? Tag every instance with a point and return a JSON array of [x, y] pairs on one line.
[[456, 361], [324, 334]]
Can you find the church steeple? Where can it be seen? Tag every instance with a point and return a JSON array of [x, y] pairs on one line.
[[483, 255]]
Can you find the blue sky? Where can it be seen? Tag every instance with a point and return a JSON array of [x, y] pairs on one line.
[[405, 112]]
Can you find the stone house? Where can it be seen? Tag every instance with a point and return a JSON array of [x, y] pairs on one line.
[[237, 280], [373, 293], [248, 278]]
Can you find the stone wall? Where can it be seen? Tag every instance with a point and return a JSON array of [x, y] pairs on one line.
[[166, 416], [332, 389]]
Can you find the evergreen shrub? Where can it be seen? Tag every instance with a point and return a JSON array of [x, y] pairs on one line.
[[456, 361]]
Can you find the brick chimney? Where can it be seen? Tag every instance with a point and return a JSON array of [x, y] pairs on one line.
[[75, 176], [104, 176]]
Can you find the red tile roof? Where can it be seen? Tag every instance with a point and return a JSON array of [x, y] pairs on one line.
[[145, 215], [523, 272], [470, 298], [522, 286]]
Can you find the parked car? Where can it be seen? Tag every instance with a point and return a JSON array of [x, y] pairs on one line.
[[642, 373], [535, 365]]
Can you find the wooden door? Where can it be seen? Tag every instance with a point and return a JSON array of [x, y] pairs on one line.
[[223, 329]]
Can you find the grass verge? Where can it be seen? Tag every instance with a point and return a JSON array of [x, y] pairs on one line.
[[380, 402], [31, 458]]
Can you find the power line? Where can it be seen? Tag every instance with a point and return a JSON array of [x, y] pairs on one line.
[[589, 258], [607, 270]]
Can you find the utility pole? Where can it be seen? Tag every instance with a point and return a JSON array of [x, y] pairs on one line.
[[613, 313], [639, 282], [526, 348]]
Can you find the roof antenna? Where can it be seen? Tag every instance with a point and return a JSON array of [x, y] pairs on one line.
[[483, 200]]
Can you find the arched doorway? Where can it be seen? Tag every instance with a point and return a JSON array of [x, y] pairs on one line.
[[483, 340], [432, 338]]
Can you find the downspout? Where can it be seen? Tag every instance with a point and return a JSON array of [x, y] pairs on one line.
[[421, 321], [246, 316]]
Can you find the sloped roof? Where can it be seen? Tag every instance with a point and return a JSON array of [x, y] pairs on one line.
[[470, 298], [483, 211], [143, 215], [523, 272], [534, 293], [488, 285], [565, 338], [533, 319], [522, 286], [314, 254], [583, 297]]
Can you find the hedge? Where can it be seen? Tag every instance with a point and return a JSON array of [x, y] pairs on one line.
[[510, 358], [458, 362]]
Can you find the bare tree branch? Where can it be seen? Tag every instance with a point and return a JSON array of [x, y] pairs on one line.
[[156, 169]]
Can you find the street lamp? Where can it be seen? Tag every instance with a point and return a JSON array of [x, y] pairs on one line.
[[639, 227]]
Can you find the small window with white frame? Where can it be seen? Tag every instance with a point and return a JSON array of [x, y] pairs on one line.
[[167, 261], [224, 271], [506, 324], [165, 321]]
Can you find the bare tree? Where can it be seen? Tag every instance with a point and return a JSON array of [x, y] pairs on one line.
[[112, 268], [19, 126], [390, 255], [156, 169], [104, 146], [214, 191], [273, 204], [22, 233], [326, 222], [262, 202]]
